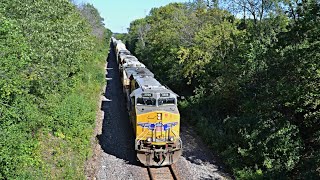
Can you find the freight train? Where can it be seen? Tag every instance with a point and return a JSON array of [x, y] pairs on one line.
[[152, 109]]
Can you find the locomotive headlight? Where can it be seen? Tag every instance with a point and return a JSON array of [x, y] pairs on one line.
[[159, 116], [171, 139], [149, 139]]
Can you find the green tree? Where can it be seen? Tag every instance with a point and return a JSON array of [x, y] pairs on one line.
[[94, 19], [253, 82], [51, 71]]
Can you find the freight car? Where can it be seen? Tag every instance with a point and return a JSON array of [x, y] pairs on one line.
[[152, 109], [120, 49]]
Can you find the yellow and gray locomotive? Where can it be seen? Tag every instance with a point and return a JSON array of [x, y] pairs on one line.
[[152, 109]]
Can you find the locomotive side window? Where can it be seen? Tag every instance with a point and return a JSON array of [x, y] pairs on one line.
[[166, 101], [146, 101], [140, 101]]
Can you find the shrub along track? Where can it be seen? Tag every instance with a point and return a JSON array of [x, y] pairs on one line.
[[116, 158]]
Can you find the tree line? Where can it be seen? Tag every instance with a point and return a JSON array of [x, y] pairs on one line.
[[250, 70], [52, 55]]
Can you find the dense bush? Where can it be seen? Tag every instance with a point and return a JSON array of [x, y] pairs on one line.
[[253, 83], [51, 69]]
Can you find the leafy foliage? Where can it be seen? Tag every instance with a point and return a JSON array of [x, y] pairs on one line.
[[95, 20], [252, 83], [51, 72]]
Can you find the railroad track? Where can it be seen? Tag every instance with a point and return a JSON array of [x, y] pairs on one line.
[[163, 173]]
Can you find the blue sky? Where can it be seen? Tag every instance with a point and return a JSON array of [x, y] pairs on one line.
[[118, 14]]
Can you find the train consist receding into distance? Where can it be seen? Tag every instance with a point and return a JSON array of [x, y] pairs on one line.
[[152, 109]]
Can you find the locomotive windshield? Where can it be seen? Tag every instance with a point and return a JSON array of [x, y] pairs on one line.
[[146, 101], [166, 101]]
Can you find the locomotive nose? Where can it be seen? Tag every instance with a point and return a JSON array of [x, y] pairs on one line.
[[162, 144], [161, 127]]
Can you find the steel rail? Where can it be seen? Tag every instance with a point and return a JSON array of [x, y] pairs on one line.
[[174, 176], [170, 169]]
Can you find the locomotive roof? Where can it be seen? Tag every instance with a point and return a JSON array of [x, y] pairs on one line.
[[120, 46], [145, 78], [148, 82], [138, 71], [150, 85], [133, 64], [124, 51], [128, 57]]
